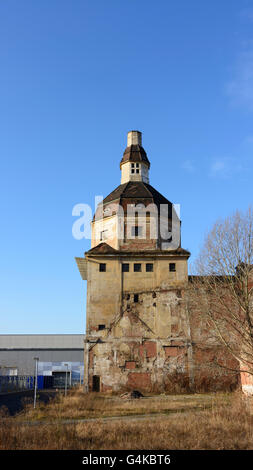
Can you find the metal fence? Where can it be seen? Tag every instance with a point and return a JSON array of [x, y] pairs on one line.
[[11, 383]]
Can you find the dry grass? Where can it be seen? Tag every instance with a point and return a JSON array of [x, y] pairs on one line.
[[78, 405], [220, 427], [198, 421]]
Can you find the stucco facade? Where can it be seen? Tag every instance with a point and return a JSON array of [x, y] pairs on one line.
[[139, 333]]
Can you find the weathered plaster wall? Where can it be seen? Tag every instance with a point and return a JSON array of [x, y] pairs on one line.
[[107, 292], [109, 226], [145, 343], [126, 174], [153, 344]]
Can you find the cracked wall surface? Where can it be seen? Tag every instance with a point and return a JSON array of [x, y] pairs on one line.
[[148, 342]]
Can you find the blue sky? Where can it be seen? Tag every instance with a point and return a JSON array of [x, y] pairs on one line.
[[75, 77]]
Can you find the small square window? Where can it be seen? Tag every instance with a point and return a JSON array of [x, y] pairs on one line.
[[125, 268], [132, 165], [132, 170], [172, 267], [101, 327], [149, 267], [137, 267], [102, 267], [136, 298]]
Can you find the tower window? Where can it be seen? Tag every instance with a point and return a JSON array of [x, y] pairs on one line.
[[149, 267], [101, 327], [125, 268], [136, 298], [104, 235], [137, 267], [135, 168], [172, 267], [136, 231], [102, 267]]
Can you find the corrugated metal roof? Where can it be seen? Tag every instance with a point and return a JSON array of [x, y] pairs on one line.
[[42, 341]]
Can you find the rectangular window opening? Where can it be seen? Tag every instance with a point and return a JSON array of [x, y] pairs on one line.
[[125, 268], [102, 267], [136, 231], [103, 235], [149, 267], [101, 327], [136, 298], [137, 267], [172, 267]]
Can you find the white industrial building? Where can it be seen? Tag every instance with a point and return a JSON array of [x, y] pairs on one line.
[[57, 355]]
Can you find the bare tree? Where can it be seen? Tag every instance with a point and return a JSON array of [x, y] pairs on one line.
[[222, 288]]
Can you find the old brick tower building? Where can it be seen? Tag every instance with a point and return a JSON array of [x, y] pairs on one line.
[[139, 334]]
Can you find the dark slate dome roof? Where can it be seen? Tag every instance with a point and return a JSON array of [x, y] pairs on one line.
[[136, 189], [135, 153], [134, 192]]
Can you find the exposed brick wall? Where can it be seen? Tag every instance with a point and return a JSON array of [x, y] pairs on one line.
[[130, 365], [215, 369], [135, 352], [172, 351], [140, 381], [148, 347]]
